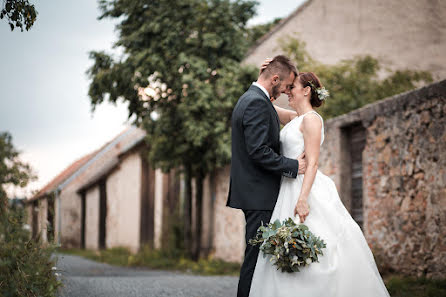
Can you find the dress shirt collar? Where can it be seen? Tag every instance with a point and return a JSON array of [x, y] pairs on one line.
[[261, 88]]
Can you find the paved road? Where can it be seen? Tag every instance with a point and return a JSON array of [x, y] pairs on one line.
[[85, 278]]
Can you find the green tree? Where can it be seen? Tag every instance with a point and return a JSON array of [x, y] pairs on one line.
[[19, 14], [355, 82], [26, 268], [13, 172], [258, 31], [182, 60]]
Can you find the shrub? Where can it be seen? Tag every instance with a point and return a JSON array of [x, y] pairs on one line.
[[26, 267]]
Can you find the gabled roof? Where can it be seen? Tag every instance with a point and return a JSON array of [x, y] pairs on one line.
[[277, 27], [75, 168], [107, 167], [61, 177]]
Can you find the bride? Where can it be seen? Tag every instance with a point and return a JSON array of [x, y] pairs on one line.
[[347, 268]]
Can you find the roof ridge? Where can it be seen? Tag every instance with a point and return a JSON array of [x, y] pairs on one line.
[[73, 167], [273, 30]]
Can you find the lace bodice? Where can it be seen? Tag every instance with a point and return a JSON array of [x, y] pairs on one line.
[[292, 139]]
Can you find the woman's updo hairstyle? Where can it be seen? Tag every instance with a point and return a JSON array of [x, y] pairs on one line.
[[309, 79]]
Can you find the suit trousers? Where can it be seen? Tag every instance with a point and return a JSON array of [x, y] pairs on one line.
[[253, 218]]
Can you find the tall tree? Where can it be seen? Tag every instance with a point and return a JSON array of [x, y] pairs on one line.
[[355, 82], [13, 172], [256, 32], [181, 60], [18, 13]]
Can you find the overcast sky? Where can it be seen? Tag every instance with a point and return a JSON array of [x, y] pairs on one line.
[[43, 86]]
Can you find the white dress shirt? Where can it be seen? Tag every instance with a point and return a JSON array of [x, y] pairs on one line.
[[262, 88]]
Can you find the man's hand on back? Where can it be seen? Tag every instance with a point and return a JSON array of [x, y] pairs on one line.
[[302, 164]]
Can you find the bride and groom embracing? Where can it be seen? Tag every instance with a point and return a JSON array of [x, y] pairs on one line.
[[274, 176]]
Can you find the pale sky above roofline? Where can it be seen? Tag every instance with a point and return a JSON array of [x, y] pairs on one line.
[[43, 85]]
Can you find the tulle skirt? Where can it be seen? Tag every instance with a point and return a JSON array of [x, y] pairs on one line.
[[347, 268]]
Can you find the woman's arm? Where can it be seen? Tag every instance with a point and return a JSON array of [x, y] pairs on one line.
[[285, 115], [311, 129]]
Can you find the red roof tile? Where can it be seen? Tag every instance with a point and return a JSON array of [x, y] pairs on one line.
[[60, 178]]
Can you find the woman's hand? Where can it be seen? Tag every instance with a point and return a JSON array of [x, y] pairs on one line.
[[302, 209], [265, 64]]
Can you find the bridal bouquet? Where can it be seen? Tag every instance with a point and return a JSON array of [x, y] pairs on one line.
[[290, 245]]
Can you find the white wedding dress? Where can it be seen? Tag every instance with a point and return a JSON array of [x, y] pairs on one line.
[[347, 268]]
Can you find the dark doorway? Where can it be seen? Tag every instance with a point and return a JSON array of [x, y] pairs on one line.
[[35, 217], [50, 218], [357, 140], [83, 218], [147, 203], [102, 213]]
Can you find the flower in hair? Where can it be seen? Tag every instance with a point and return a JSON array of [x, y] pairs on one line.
[[322, 93]]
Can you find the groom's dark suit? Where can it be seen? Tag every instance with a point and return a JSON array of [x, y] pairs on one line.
[[256, 169]]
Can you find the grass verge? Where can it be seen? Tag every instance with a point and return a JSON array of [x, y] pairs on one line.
[[400, 286], [157, 259]]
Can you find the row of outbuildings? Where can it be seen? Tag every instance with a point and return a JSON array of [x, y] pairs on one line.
[[388, 159]]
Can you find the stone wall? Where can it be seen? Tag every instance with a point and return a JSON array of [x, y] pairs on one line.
[[404, 178]]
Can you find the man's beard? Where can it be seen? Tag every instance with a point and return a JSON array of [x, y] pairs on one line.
[[275, 91]]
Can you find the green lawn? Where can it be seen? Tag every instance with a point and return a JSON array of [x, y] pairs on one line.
[[158, 260], [398, 286]]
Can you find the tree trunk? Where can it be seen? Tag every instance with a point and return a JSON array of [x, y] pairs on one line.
[[199, 213], [188, 210]]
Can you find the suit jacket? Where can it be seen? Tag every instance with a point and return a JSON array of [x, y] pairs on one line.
[[256, 164]]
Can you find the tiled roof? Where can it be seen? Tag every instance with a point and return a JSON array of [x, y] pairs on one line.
[[61, 177], [90, 161]]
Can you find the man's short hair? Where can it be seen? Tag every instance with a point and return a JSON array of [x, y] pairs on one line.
[[280, 65]]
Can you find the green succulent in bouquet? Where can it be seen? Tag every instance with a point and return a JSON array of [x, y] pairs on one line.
[[290, 245]]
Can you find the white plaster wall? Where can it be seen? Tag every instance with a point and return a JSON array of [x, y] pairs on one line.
[[207, 214], [123, 204], [92, 218], [401, 33], [229, 223], [158, 220], [70, 219], [42, 219]]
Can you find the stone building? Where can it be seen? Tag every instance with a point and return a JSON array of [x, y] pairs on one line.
[[109, 198]]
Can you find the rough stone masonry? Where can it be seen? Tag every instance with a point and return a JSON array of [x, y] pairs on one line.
[[403, 177]]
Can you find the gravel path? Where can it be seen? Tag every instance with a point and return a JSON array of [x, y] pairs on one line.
[[85, 278]]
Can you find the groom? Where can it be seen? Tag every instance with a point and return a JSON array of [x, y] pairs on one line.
[[256, 165]]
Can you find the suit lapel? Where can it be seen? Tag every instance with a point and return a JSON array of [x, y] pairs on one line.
[[260, 92], [273, 110]]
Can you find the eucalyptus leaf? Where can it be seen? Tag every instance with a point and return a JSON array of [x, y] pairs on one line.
[[291, 246]]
